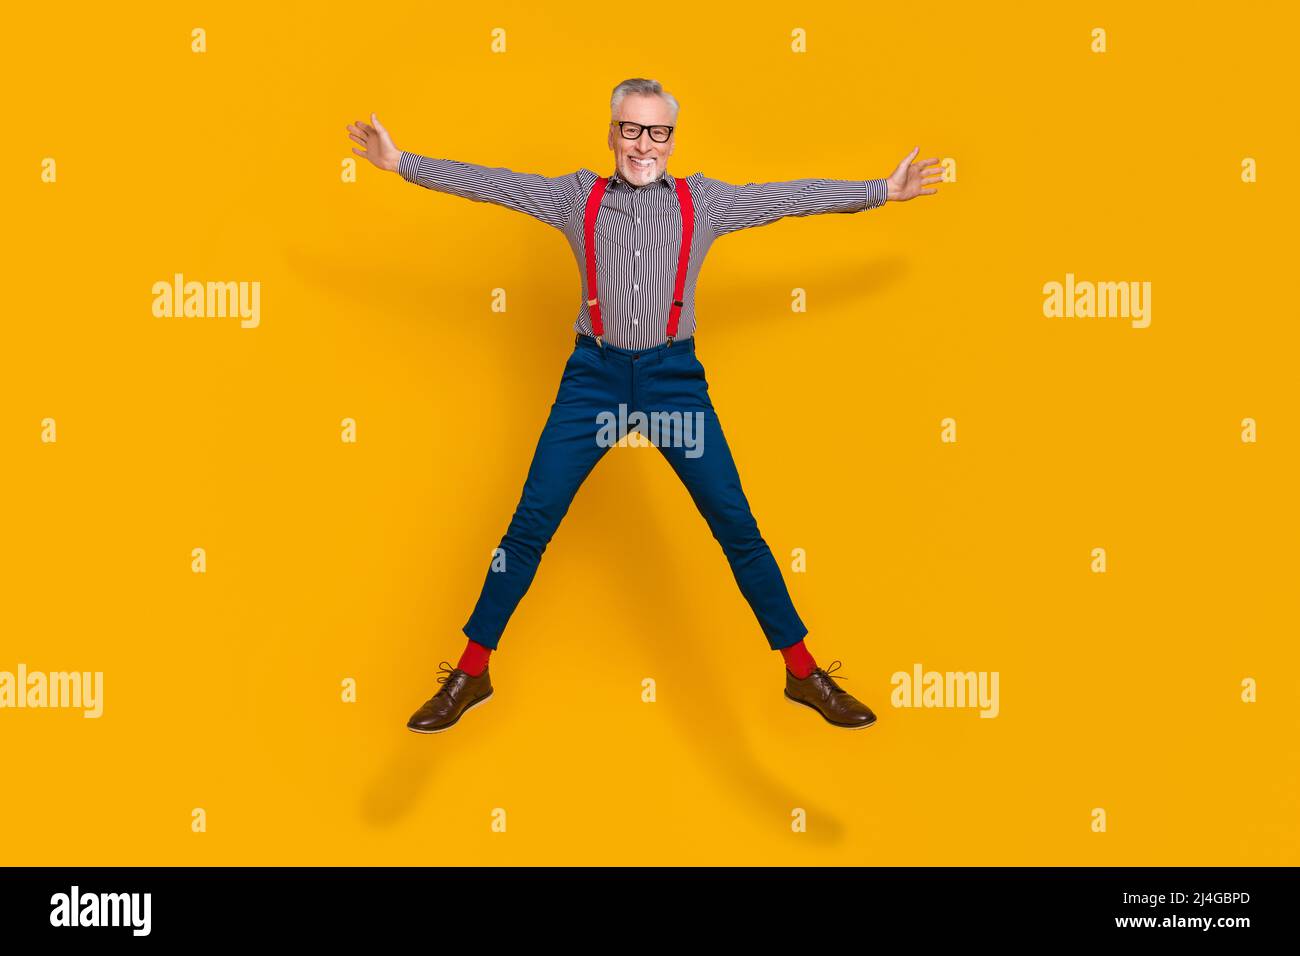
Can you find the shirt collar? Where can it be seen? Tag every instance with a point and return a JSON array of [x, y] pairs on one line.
[[663, 178]]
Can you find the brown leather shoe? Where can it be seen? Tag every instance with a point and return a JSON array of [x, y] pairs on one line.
[[460, 694], [820, 692]]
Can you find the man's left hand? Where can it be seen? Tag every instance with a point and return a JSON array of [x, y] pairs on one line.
[[907, 180]]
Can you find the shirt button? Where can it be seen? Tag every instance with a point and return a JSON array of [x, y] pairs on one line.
[[636, 321], [638, 252], [638, 220], [635, 287]]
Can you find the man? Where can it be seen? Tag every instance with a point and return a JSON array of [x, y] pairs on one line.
[[634, 360]]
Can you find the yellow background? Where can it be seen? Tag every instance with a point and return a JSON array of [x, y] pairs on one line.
[[327, 560]]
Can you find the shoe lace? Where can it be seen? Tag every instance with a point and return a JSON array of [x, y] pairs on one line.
[[447, 671], [832, 668]]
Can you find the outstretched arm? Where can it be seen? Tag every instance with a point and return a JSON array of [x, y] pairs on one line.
[[550, 199], [730, 207]]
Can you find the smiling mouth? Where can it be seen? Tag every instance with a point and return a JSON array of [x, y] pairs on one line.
[[641, 163]]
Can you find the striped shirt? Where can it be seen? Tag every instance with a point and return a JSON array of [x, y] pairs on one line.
[[639, 229]]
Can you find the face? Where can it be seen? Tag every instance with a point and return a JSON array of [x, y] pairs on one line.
[[629, 154]]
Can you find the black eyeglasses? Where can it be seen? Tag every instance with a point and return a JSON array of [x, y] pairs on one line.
[[631, 130]]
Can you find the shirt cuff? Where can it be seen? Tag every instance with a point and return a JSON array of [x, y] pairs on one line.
[[408, 166], [877, 192]]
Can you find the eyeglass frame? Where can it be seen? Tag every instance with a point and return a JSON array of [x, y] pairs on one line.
[[644, 128]]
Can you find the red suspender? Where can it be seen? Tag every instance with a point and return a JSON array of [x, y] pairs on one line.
[[688, 229], [593, 207], [683, 257]]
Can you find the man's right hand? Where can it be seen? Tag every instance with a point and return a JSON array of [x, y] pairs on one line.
[[379, 145]]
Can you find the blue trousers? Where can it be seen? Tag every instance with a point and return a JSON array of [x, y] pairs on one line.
[[600, 394]]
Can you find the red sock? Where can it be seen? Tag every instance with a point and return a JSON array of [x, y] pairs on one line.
[[797, 660], [474, 659]]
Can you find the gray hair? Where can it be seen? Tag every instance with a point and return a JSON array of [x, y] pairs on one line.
[[638, 85]]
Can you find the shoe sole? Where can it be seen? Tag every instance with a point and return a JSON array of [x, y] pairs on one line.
[[482, 700], [801, 703]]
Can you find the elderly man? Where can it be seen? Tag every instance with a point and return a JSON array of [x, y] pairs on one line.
[[640, 237]]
